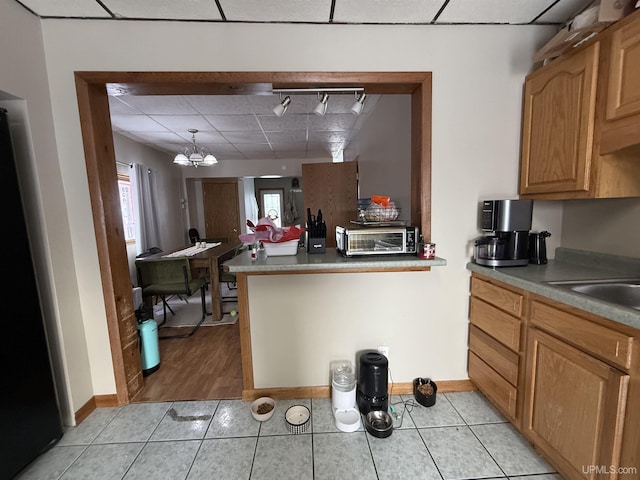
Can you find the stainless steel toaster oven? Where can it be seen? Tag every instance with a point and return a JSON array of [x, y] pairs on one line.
[[376, 240]]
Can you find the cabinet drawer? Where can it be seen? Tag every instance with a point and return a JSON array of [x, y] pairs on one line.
[[609, 345], [494, 354], [504, 299], [496, 388], [498, 324]]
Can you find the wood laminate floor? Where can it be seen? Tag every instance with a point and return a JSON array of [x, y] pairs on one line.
[[205, 366]]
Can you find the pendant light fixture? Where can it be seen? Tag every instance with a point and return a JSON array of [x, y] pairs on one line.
[[195, 155]]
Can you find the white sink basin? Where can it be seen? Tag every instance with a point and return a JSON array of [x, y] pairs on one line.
[[624, 292]]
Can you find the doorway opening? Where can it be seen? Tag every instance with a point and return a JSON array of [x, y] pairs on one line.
[[92, 91]]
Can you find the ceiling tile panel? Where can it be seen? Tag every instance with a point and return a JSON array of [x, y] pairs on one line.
[[164, 9], [221, 104], [245, 137], [66, 8], [230, 123], [160, 104], [386, 11], [282, 138], [159, 137], [564, 10], [203, 137], [316, 11], [138, 123], [285, 123], [493, 11], [183, 122]]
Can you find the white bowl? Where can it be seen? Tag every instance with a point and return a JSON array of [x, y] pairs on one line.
[[261, 417]]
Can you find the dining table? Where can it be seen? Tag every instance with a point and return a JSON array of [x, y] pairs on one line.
[[209, 259]]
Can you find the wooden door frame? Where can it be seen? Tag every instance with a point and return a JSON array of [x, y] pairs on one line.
[[92, 89]]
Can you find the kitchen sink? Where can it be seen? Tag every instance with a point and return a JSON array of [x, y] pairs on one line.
[[624, 292]]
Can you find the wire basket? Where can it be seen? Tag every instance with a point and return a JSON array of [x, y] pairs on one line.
[[379, 214]]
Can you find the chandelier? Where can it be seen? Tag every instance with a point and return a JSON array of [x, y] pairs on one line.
[[195, 155]]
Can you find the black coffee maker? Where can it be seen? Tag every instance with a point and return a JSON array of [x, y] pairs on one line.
[[510, 222], [372, 391]]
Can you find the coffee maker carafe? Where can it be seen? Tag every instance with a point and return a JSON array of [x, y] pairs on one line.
[[510, 222]]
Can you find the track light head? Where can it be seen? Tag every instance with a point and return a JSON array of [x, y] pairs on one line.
[[357, 107], [281, 108], [321, 108]]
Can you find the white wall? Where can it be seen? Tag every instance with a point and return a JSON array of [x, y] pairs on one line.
[[477, 89], [603, 225]]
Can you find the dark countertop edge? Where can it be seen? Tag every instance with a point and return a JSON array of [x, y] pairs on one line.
[[305, 262], [534, 280]]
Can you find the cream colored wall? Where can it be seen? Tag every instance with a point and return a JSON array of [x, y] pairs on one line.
[[477, 90], [604, 225]]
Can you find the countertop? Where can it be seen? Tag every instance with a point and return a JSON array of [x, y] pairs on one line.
[[572, 264], [330, 260]]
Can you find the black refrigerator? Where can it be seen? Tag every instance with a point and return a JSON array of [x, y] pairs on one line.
[[30, 421]]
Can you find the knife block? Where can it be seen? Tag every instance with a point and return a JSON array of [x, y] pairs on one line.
[[316, 245]]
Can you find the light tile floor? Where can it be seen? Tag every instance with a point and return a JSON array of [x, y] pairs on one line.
[[461, 437]]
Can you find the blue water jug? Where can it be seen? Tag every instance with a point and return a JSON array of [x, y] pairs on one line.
[[149, 349]]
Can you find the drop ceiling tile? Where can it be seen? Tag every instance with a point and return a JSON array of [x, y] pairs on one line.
[[245, 137], [564, 10], [159, 137], [289, 146], [220, 104], [203, 137], [287, 123], [386, 11], [286, 154], [230, 123], [315, 11], [492, 11], [139, 123], [159, 104], [183, 123], [164, 9], [66, 8], [299, 136], [118, 107], [329, 137], [331, 122]]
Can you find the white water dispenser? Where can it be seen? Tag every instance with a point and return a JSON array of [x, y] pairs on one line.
[[343, 396]]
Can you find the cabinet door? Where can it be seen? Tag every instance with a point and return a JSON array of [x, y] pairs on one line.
[[558, 122], [622, 122], [574, 407]]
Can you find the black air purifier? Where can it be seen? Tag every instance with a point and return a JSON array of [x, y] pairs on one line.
[[372, 391]]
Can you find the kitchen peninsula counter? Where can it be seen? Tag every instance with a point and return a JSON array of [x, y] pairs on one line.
[[330, 261]]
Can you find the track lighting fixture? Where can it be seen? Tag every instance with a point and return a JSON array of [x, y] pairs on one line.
[[323, 98], [281, 108], [195, 155], [359, 105], [321, 108]]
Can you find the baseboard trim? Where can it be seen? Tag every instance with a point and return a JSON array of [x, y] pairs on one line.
[[404, 388], [94, 402]]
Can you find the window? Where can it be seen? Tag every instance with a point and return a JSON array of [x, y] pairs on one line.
[[271, 202], [126, 206]]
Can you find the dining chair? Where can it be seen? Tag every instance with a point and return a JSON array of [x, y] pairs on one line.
[[163, 277]]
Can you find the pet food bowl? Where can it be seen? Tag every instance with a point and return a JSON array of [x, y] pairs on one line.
[[422, 398], [257, 405], [379, 423], [297, 419]]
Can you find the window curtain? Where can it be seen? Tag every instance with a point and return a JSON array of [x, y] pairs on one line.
[[145, 194]]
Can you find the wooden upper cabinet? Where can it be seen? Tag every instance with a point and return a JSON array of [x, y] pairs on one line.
[[622, 116], [558, 125]]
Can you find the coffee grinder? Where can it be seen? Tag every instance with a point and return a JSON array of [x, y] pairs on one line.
[[510, 222]]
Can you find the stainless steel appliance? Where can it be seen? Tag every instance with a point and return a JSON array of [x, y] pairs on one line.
[[510, 222], [376, 240]]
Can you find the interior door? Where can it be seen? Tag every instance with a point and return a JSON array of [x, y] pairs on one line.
[[332, 188], [221, 208]]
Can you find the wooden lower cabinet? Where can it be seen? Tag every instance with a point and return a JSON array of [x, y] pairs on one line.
[[573, 408]]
